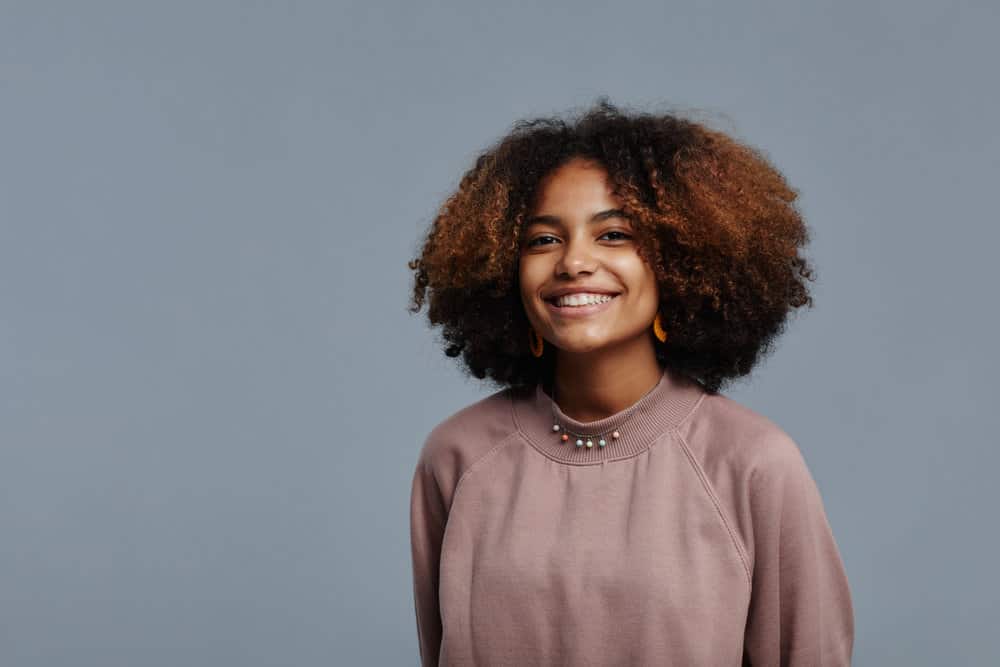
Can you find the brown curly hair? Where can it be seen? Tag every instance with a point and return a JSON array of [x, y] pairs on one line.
[[715, 220]]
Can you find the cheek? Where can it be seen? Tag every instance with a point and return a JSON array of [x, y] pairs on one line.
[[529, 275], [638, 275], [643, 287], [527, 291], [651, 281]]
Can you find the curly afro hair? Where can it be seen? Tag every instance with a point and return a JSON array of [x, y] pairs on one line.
[[715, 220]]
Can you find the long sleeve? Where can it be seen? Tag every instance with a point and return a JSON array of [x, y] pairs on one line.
[[800, 608], [427, 521]]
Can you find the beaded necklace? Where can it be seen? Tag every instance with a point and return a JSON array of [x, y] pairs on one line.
[[581, 439]]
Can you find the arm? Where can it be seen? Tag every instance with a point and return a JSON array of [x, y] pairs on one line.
[[800, 612], [427, 520]]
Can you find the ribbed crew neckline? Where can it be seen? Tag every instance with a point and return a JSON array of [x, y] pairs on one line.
[[639, 425]]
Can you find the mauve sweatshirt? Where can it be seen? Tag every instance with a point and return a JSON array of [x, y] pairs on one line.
[[697, 538]]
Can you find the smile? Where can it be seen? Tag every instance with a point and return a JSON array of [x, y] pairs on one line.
[[579, 311]]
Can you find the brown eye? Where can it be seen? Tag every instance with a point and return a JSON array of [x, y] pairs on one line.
[[537, 238], [626, 236]]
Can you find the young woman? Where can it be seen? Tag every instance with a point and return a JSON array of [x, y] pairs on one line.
[[608, 505]]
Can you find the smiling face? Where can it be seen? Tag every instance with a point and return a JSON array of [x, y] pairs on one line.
[[576, 237]]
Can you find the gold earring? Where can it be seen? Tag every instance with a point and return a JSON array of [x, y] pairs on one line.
[[661, 335], [536, 342]]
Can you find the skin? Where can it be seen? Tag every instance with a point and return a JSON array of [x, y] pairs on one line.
[[604, 362]]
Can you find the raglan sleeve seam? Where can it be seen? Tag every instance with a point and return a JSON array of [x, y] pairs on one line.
[[713, 496], [430, 512]]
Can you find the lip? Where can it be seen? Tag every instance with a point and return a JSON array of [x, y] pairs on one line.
[[579, 289], [574, 312]]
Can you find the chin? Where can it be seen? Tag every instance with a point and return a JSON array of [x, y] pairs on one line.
[[583, 347]]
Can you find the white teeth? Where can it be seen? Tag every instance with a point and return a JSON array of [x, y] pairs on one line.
[[582, 299]]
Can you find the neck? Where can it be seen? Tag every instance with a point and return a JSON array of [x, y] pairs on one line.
[[593, 386]]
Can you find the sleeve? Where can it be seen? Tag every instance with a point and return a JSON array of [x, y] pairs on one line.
[[800, 611], [427, 521]]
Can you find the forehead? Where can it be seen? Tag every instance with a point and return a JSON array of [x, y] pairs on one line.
[[577, 184]]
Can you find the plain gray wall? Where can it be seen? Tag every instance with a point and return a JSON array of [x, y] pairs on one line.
[[213, 396]]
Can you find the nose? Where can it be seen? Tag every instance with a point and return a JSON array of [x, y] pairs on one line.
[[576, 258]]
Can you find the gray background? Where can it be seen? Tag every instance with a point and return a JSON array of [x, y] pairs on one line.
[[213, 396]]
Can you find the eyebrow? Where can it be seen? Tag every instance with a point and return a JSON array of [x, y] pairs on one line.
[[555, 220]]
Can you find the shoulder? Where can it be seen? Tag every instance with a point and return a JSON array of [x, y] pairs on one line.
[[725, 434], [462, 438], [751, 465]]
